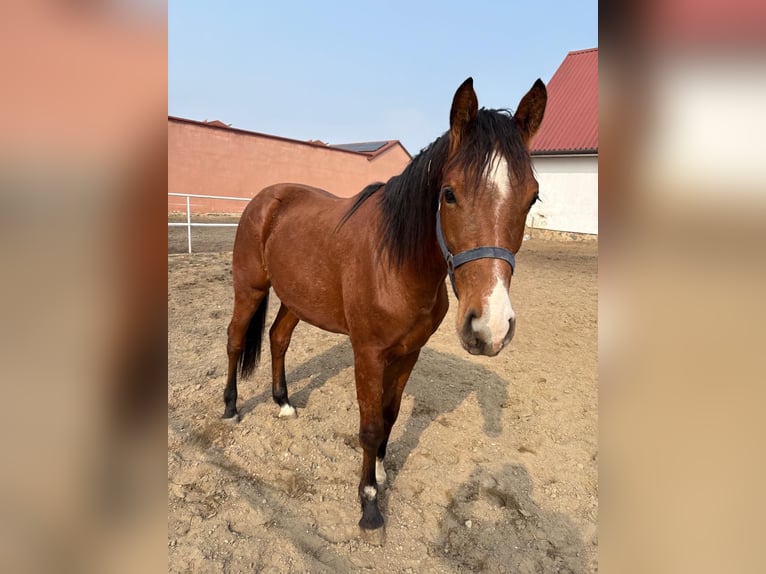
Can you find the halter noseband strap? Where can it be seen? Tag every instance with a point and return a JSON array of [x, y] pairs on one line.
[[455, 261]]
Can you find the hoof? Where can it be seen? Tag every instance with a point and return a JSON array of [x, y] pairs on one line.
[[235, 418], [287, 411], [375, 537], [371, 519], [369, 525]]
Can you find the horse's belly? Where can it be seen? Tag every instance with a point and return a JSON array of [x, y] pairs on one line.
[[316, 306]]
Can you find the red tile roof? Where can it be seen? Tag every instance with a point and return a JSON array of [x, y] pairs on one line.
[[570, 124]]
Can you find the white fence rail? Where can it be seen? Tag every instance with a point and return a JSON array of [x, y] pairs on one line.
[[188, 225]]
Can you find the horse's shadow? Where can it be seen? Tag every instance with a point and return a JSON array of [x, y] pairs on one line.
[[318, 370], [439, 383], [508, 530]]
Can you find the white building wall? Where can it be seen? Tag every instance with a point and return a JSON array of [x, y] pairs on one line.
[[568, 194]]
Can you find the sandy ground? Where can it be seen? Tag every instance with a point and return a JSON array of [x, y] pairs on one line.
[[492, 465]]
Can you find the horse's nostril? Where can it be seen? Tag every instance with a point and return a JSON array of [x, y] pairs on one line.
[[468, 332], [470, 339]]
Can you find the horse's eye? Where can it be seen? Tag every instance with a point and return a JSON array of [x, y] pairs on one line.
[[449, 195], [535, 199]]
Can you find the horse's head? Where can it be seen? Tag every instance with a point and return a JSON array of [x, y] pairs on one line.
[[487, 188]]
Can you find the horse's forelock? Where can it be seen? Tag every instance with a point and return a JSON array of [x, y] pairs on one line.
[[409, 200]]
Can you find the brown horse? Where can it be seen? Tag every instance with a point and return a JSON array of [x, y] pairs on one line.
[[373, 267]]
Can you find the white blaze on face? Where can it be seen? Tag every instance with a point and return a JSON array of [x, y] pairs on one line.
[[499, 175], [496, 313]]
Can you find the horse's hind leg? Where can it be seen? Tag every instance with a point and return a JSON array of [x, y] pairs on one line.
[[280, 334], [247, 322]]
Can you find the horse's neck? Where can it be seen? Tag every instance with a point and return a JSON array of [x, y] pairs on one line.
[[429, 274]]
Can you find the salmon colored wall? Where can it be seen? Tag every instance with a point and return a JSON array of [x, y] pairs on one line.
[[218, 161]]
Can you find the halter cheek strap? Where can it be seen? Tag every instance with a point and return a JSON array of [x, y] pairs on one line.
[[455, 261]]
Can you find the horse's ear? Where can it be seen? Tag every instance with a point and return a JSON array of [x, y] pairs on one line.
[[465, 106], [530, 112]]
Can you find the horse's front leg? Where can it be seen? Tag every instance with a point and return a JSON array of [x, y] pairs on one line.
[[369, 368], [395, 378]]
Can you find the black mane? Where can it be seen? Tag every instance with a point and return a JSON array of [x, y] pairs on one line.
[[409, 200]]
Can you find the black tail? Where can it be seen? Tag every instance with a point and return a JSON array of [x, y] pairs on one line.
[[251, 354]]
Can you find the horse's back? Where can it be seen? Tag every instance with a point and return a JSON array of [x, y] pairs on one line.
[[297, 192], [275, 204], [280, 198]]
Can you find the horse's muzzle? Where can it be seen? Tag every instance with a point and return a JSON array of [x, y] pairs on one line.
[[478, 340]]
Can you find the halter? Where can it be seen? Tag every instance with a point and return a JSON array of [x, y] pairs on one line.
[[455, 261]]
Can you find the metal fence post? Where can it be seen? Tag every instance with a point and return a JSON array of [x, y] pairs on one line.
[[188, 222], [188, 225]]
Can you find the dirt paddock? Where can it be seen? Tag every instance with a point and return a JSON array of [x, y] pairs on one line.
[[492, 465]]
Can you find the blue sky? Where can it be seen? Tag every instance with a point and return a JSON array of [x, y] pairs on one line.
[[348, 71]]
